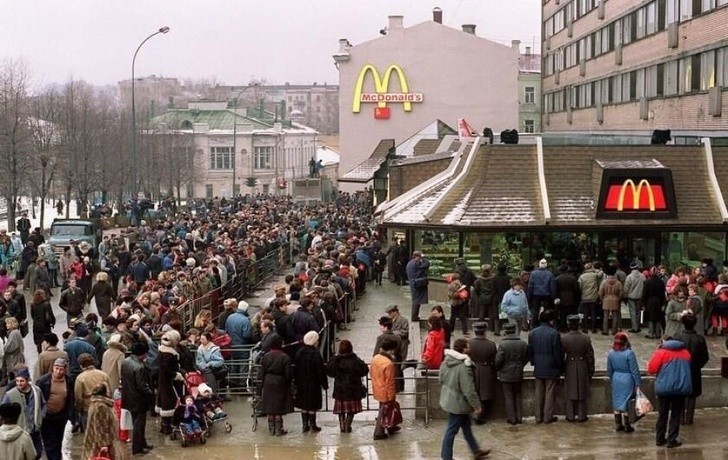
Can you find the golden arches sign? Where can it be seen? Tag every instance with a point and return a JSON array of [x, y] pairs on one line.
[[636, 191], [381, 87]]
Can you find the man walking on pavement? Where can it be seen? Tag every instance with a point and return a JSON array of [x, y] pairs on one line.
[[546, 355], [57, 390], [23, 226], [15, 443], [579, 361], [416, 271], [633, 286], [459, 399], [137, 395], [32, 405]]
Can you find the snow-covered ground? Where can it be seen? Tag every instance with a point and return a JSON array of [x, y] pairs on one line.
[[50, 213]]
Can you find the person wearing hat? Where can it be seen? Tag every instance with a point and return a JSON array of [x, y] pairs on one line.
[[633, 289], [15, 443], [72, 301], [112, 359], [168, 379], [23, 226], [541, 290], [579, 369], [137, 395], [48, 356], [624, 376], [567, 296], [310, 378], [58, 392], [547, 356], [400, 327], [511, 358], [416, 271], [483, 293], [89, 378], [32, 405], [483, 352], [383, 383]]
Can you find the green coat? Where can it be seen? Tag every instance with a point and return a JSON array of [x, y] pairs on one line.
[[457, 394]]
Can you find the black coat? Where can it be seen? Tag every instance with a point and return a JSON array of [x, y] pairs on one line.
[[653, 298], [310, 378], [43, 320], [567, 290], [501, 285], [578, 366], [168, 360], [511, 358], [136, 391], [276, 374], [105, 296], [347, 371], [699, 357], [44, 383], [482, 353], [545, 352]]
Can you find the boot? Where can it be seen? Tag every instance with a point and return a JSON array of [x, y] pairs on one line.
[[349, 420], [627, 426], [481, 454], [279, 428], [271, 426], [379, 431], [312, 419], [342, 423], [618, 422], [304, 422]]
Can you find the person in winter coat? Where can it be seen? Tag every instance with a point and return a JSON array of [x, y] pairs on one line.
[[43, 318], [633, 288], [209, 361], [33, 407], [14, 346], [671, 364], [42, 278], [84, 386], [102, 427], [137, 394], [515, 305], [104, 293], [416, 271], [49, 355], [483, 352], [624, 375], [459, 399], [384, 386], [15, 443], [57, 389], [72, 301], [501, 285], [579, 369], [347, 370], [541, 290], [568, 295], [458, 295], [432, 351], [483, 293], [653, 298], [467, 278], [589, 283], [511, 358], [112, 359], [310, 379], [276, 375], [547, 357], [696, 306], [696, 345], [675, 309], [238, 327], [610, 292], [169, 379]]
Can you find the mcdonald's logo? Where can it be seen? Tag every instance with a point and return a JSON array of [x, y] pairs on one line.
[[381, 95], [643, 197]]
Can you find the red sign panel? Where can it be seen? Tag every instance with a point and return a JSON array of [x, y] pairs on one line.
[[381, 113], [633, 195]]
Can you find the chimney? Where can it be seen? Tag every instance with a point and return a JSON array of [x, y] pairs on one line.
[[469, 28], [516, 46], [396, 23], [437, 15], [528, 51], [344, 46]]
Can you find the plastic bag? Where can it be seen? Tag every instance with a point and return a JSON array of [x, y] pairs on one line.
[[643, 406]]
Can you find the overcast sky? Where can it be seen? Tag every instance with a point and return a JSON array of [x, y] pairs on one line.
[[232, 40]]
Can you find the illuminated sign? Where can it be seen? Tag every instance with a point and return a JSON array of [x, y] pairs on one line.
[[637, 194], [381, 95]]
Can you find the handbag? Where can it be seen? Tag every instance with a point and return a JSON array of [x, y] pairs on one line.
[[420, 283], [392, 415], [102, 454], [364, 392], [220, 372]]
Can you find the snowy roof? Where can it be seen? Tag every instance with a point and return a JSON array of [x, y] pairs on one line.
[[327, 156]]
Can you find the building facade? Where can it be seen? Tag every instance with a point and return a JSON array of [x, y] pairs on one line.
[[634, 65], [396, 84], [236, 151], [529, 90]]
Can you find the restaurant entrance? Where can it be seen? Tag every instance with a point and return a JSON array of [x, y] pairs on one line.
[[625, 247]]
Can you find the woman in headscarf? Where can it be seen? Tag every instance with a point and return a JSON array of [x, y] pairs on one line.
[[624, 375], [275, 375], [310, 378], [104, 293], [169, 379], [102, 428]]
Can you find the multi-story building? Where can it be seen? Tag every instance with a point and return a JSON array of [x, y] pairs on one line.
[[634, 65], [233, 151], [529, 90]]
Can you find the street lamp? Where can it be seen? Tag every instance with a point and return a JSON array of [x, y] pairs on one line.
[[235, 130], [135, 184]]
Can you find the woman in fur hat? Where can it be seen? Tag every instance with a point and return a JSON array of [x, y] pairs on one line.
[[169, 376]]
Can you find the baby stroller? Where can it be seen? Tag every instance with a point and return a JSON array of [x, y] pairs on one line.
[[188, 423], [208, 404]]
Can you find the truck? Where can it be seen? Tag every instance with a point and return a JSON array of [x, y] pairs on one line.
[[65, 230]]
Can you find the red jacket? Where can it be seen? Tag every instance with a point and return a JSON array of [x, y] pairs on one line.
[[432, 353]]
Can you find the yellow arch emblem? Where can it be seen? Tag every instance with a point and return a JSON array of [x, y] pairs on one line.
[[381, 86], [636, 191]]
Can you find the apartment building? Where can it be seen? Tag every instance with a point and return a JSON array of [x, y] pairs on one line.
[[634, 65]]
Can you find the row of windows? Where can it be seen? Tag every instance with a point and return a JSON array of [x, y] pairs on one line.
[[698, 72], [573, 10], [648, 20], [222, 158]]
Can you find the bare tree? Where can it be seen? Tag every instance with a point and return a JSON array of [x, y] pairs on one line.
[[45, 115], [15, 136]]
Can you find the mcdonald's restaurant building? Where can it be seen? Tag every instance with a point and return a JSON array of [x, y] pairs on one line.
[[399, 83], [659, 204]]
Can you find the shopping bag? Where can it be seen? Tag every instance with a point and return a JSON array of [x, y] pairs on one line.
[[643, 406], [126, 422], [392, 415]]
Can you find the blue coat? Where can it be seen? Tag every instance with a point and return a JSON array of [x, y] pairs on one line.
[[417, 269], [238, 327], [515, 304], [545, 352], [624, 374], [542, 283]]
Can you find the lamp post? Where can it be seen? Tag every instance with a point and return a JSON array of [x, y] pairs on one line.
[[235, 131], [135, 183]]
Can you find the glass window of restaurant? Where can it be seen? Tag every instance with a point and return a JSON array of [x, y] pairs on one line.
[[441, 247], [688, 249]]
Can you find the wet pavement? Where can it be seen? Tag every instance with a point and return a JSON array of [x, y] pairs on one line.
[[593, 440]]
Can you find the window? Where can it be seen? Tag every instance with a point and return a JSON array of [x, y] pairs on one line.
[[616, 84], [262, 157], [627, 28], [655, 80], [530, 96], [606, 97], [639, 83], [690, 74], [208, 191], [529, 126], [221, 158], [651, 18], [722, 66], [626, 89], [686, 9], [640, 23], [672, 11], [548, 27], [707, 70]]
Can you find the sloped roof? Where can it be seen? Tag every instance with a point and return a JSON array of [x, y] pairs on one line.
[[364, 171], [502, 189], [529, 63], [215, 119]]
